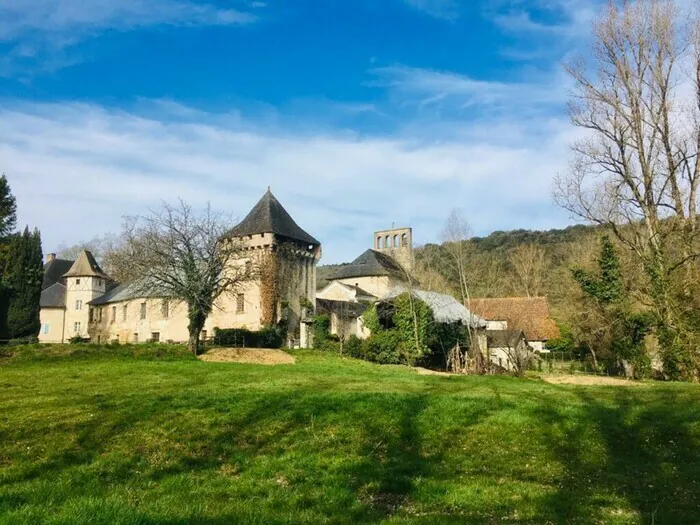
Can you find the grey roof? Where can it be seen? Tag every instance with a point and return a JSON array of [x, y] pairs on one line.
[[326, 306], [53, 297], [446, 309], [269, 216], [370, 263], [54, 271], [358, 291], [504, 338], [86, 266], [124, 292]]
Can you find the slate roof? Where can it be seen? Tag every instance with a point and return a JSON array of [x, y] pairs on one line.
[[327, 306], [86, 266], [54, 271], [445, 308], [123, 292], [530, 314], [269, 216], [504, 338], [370, 263], [53, 297]]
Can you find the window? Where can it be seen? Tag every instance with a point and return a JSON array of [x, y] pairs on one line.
[[124, 310], [77, 282], [78, 304], [165, 308], [92, 316], [240, 303], [396, 241], [99, 313], [136, 338], [114, 314], [76, 327], [46, 328], [99, 282], [248, 267], [204, 335], [155, 337], [143, 311]]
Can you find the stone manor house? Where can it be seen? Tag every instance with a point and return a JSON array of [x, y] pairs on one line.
[[80, 300]]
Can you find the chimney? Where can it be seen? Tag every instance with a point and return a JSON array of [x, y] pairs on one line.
[[50, 257]]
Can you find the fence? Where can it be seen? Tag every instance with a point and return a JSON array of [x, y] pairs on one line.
[[569, 363]]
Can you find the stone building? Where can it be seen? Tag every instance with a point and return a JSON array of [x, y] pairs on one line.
[[83, 302]]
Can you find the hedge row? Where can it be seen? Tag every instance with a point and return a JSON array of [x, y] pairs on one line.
[[240, 337]]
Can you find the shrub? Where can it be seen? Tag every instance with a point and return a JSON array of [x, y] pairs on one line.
[[21, 341], [383, 347], [268, 337], [353, 346], [77, 340], [322, 330]]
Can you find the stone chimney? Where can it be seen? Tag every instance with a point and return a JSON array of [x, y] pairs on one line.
[[50, 257]]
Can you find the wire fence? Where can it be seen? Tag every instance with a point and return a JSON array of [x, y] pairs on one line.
[[570, 364]]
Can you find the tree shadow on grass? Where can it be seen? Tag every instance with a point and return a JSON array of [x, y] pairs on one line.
[[648, 469]]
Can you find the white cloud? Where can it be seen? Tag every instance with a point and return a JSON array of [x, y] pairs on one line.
[[42, 31], [77, 169], [460, 92]]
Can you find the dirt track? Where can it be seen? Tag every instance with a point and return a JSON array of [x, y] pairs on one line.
[[588, 380], [248, 356]]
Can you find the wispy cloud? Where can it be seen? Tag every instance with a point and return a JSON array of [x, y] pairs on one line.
[[543, 29], [40, 32], [453, 91], [446, 9], [95, 165]]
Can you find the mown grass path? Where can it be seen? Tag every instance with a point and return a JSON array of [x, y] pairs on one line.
[[107, 437]]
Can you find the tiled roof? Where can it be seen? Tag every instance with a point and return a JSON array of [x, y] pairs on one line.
[[370, 263], [86, 266], [53, 297], [269, 216], [530, 314]]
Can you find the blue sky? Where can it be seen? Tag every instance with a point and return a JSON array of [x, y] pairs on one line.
[[360, 114]]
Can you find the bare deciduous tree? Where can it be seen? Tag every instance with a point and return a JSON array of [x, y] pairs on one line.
[[637, 170], [455, 239], [184, 256], [529, 264]]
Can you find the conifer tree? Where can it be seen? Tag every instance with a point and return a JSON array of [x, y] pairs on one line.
[[22, 278], [8, 208]]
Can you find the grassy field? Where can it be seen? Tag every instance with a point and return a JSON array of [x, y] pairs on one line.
[[136, 435]]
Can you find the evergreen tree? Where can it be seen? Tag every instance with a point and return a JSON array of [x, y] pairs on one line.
[[607, 288], [627, 329], [8, 208], [23, 277]]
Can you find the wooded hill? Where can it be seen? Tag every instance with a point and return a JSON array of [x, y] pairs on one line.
[[509, 263]]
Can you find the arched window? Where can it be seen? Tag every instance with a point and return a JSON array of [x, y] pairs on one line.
[[396, 241], [379, 243], [404, 240], [387, 242]]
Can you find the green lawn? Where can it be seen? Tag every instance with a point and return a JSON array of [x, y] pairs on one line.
[[127, 436]]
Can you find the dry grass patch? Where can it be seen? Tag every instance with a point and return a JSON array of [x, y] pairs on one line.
[[252, 356]]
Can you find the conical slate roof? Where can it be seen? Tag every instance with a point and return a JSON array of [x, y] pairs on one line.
[[370, 263], [269, 216], [86, 266]]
